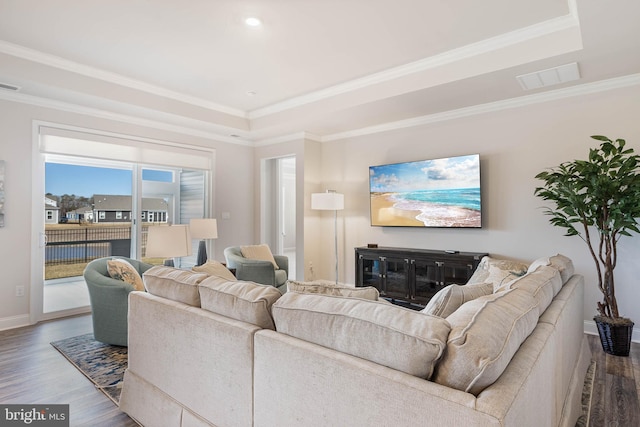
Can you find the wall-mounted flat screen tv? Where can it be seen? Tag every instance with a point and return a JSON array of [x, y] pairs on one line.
[[428, 193]]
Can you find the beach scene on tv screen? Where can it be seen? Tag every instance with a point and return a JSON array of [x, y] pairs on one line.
[[429, 193]]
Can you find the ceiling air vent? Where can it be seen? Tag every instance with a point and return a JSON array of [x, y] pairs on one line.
[[7, 86], [550, 77]]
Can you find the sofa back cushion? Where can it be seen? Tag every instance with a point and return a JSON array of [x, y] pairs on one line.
[[450, 298], [399, 338], [246, 301], [485, 334], [560, 262], [543, 284], [366, 292], [173, 283]]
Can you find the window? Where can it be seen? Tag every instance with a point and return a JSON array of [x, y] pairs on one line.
[[144, 215], [102, 215], [119, 215], [49, 215]]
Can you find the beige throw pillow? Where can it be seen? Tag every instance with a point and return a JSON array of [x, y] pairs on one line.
[[543, 284], [497, 271], [260, 253], [450, 298], [366, 292], [485, 334], [121, 269], [214, 268]]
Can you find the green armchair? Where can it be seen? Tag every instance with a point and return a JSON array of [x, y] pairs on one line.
[[258, 271], [109, 300]]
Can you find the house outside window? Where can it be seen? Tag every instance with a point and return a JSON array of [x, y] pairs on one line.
[[49, 215]]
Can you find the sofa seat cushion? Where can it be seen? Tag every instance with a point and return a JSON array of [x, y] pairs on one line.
[[450, 298], [246, 301], [485, 334], [398, 338], [497, 271], [215, 268], [121, 269], [174, 284], [329, 288]]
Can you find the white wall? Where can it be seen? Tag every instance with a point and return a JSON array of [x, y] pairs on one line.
[[233, 191], [514, 145]]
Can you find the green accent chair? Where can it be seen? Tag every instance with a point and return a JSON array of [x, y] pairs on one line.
[[252, 270], [109, 300]]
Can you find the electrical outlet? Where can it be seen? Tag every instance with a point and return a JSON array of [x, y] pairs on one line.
[[19, 291]]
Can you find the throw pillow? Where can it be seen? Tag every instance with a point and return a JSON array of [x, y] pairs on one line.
[[260, 253], [121, 269], [366, 292], [497, 271], [215, 268], [450, 298]]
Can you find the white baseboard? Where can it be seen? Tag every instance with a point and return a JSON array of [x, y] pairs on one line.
[[591, 328], [14, 322]]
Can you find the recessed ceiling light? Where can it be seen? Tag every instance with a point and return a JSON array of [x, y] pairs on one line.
[[253, 22], [251, 93]]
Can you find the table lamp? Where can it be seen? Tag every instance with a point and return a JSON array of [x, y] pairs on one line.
[[203, 228], [172, 241]]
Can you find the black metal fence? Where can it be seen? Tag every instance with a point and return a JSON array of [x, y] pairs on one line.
[[81, 245]]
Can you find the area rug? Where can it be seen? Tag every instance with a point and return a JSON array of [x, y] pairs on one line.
[[587, 391], [103, 364]]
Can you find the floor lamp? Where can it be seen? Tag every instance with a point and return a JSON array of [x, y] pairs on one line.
[[203, 228], [330, 201], [172, 241]]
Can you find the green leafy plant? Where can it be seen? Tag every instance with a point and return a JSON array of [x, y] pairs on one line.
[[598, 200]]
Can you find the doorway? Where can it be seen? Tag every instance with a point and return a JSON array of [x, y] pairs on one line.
[[279, 208]]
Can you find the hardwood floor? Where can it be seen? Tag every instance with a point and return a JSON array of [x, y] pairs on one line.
[[616, 387], [33, 372]]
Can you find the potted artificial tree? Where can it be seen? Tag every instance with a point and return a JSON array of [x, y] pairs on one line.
[[599, 200]]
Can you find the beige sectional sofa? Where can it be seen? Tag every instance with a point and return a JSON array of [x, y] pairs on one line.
[[207, 351]]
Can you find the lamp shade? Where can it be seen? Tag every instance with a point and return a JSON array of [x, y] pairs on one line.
[[204, 228], [329, 201], [171, 241]]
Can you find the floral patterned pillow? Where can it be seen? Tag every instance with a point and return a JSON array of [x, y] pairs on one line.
[[121, 269]]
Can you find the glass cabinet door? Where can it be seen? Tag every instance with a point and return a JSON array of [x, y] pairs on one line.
[[396, 277], [456, 273], [370, 269], [428, 279]]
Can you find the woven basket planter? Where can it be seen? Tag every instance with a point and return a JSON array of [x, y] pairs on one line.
[[615, 338]]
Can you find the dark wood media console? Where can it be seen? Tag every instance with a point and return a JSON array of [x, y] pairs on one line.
[[410, 277]]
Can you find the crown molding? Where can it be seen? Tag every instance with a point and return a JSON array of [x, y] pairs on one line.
[[288, 138], [185, 129], [85, 70], [455, 55], [569, 92]]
